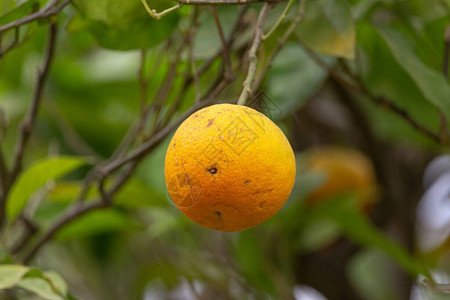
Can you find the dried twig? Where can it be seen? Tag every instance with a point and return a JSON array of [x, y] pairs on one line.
[[281, 42], [27, 124], [51, 10], [225, 50], [225, 2], [358, 86], [71, 214], [280, 20], [247, 85], [159, 15]]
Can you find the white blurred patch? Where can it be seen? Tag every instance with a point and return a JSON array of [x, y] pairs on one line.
[[304, 292], [433, 214], [108, 65], [435, 169]]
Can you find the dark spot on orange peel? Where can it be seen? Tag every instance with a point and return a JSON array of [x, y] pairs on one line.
[[212, 170]]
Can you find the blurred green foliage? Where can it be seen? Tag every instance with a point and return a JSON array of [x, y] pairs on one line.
[[143, 245]]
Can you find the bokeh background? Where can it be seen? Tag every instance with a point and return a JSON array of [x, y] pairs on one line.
[[366, 218]]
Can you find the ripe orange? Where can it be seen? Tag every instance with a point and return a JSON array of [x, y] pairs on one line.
[[229, 167], [345, 170]]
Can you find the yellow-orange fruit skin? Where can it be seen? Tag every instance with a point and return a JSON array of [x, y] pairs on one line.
[[345, 170], [229, 168]]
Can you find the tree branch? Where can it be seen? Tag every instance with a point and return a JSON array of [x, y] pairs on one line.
[[159, 15], [51, 10], [247, 85], [70, 215], [26, 127], [225, 2], [358, 86], [225, 51], [281, 42]]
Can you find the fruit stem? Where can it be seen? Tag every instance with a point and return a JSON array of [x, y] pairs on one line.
[[247, 90]]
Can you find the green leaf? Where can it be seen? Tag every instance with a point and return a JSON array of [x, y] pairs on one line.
[[41, 287], [10, 275], [136, 193], [110, 12], [251, 260], [100, 221], [328, 27], [144, 32], [58, 283], [116, 13], [123, 25], [431, 83], [37, 176], [19, 11], [286, 72], [359, 229]]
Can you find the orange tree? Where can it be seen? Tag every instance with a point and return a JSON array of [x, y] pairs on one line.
[[92, 90]]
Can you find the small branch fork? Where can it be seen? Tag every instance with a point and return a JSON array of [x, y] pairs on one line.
[[51, 10], [154, 14]]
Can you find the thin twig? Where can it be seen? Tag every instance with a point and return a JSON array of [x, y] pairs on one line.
[[27, 124], [358, 86], [225, 2], [13, 44], [281, 42], [72, 213], [160, 135], [142, 81], [280, 20], [44, 13], [31, 229], [159, 15], [225, 50], [252, 58], [69, 134]]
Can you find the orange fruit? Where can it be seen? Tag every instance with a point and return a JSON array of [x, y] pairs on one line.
[[229, 167], [346, 171]]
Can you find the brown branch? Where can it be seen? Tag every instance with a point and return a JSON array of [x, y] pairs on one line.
[[142, 81], [46, 12], [281, 42], [101, 172], [157, 137], [252, 58], [225, 50], [27, 123], [31, 229], [13, 44], [358, 86], [225, 2], [72, 213]]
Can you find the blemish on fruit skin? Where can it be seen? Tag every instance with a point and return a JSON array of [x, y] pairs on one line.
[[195, 116], [261, 204], [210, 121], [247, 182], [212, 170], [218, 213]]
